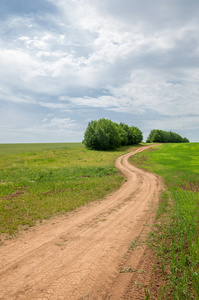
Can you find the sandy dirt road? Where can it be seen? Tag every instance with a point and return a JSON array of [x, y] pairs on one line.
[[85, 254]]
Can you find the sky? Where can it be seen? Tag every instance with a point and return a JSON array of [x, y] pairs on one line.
[[64, 63]]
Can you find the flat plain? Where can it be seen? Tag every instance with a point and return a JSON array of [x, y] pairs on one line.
[[96, 251], [102, 246], [176, 238], [41, 180]]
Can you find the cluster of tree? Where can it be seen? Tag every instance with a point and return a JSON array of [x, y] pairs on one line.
[[104, 134], [160, 136]]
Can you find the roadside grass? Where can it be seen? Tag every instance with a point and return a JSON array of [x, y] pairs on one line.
[[41, 180], [175, 237]]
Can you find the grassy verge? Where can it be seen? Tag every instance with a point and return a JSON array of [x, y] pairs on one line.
[[176, 235], [40, 180]]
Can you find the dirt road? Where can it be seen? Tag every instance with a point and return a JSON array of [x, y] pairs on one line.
[[85, 254]]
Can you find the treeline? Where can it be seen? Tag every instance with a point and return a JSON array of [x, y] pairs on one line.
[[103, 134], [160, 136], [107, 135]]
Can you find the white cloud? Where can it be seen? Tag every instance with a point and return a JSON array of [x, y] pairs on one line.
[[61, 129], [147, 91], [130, 57], [61, 124], [55, 106], [174, 123]]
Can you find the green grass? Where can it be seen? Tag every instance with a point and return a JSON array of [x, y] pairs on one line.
[[41, 180], [176, 238], [30, 148]]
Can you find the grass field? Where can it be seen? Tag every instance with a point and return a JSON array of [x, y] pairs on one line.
[[40, 180], [176, 237]]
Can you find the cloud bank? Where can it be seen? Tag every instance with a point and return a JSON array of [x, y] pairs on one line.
[[63, 64]]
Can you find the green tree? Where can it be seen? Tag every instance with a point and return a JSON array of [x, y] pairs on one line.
[[137, 135], [161, 136], [107, 135], [123, 132], [185, 140], [102, 135], [130, 135]]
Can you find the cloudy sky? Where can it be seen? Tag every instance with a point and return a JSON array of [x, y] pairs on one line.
[[64, 63]]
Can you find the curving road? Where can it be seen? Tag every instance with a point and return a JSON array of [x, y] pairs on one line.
[[80, 255]]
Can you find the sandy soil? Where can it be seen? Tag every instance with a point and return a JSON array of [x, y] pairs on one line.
[[85, 254]]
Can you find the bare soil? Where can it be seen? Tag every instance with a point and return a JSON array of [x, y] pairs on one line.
[[85, 254]]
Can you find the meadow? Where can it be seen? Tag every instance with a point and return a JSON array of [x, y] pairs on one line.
[[41, 180], [175, 238], [38, 181]]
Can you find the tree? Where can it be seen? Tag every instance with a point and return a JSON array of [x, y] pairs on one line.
[[107, 135], [137, 135], [185, 140], [102, 135], [123, 132], [130, 135], [160, 136]]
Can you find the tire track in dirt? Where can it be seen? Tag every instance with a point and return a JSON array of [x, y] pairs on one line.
[[79, 255]]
